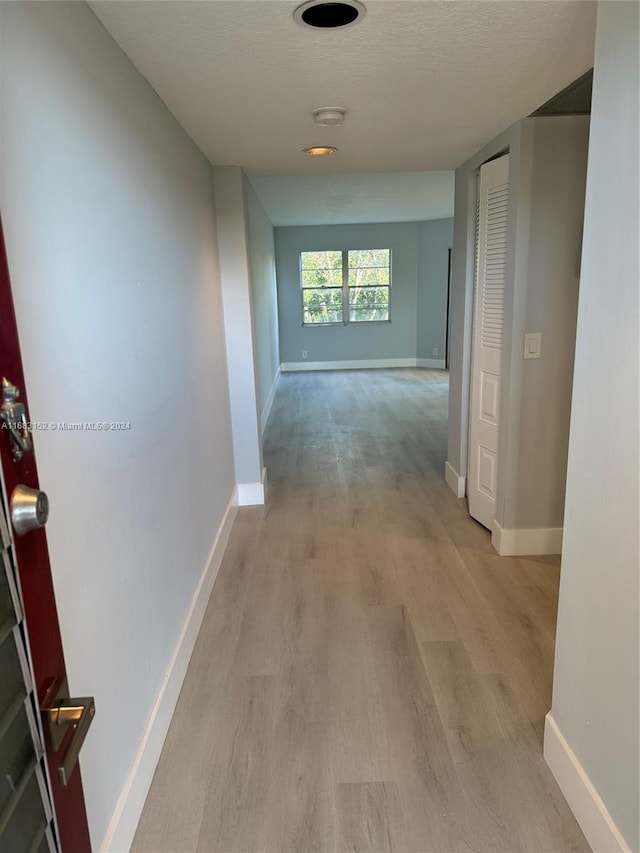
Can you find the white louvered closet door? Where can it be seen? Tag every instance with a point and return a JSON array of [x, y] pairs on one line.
[[488, 326]]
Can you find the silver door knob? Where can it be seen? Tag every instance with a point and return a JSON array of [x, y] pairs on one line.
[[29, 509]]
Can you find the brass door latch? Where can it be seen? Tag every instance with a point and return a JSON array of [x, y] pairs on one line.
[[59, 713]]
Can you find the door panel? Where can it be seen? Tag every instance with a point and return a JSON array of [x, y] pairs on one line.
[[487, 471], [488, 330], [29, 557], [25, 809], [489, 398], [29, 827]]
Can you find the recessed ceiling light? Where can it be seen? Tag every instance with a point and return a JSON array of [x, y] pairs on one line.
[[329, 16], [329, 116], [319, 150]]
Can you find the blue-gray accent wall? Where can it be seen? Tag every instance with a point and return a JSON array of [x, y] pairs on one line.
[[435, 238], [419, 252]]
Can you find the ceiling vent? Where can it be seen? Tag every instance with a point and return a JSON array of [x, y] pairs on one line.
[[329, 16], [574, 100]]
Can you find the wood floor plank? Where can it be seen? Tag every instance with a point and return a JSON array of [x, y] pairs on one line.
[[236, 807], [370, 818], [369, 675], [528, 622], [493, 744], [260, 645], [422, 570], [374, 559], [514, 602], [169, 823], [474, 740], [463, 531], [304, 677], [359, 743], [301, 813], [419, 757]]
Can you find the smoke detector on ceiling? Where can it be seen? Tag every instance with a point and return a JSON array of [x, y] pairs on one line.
[[329, 116]]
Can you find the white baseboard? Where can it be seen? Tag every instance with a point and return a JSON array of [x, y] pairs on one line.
[[456, 483], [581, 795], [124, 821], [434, 363], [360, 364], [253, 494], [269, 402], [522, 543]]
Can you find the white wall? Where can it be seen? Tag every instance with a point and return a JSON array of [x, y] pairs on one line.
[[111, 238], [595, 693], [233, 239], [325, 199], [262, 267], [534, 493]]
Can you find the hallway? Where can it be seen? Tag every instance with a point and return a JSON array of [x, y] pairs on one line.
[[369, 675]]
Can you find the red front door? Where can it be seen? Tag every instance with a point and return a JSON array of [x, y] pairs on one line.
[[38, 600]]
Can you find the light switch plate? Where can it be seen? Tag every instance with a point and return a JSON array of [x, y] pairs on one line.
[[532, 344]]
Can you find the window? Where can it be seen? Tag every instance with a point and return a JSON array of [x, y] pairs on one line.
[[357, 278], [321, 282], [369, 281]]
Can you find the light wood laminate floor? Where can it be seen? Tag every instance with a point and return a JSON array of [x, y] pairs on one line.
[[369, 675]]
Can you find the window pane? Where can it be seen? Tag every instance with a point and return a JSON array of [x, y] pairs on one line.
[[368, 276], [369, 258], [369, 280], [321, 260], [371, 314], [362, 296], [321, 278], [367, 304], [322, 305]]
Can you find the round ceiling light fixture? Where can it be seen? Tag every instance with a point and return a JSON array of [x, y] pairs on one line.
[[329, 116], [319, 150], [329, 16]]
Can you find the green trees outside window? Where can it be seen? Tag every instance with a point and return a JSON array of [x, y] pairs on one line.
[[349, 286], [321, 282]]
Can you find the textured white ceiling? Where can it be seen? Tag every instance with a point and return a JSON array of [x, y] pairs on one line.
[[341, 199], [425, 82]]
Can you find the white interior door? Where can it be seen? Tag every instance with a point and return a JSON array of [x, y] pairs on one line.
[[488, 325]]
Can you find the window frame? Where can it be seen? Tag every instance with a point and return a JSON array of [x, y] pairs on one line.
[[303, 288], [344, 288]]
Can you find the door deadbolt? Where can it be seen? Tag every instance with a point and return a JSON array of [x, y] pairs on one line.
[[14, 419], [29, 509]]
